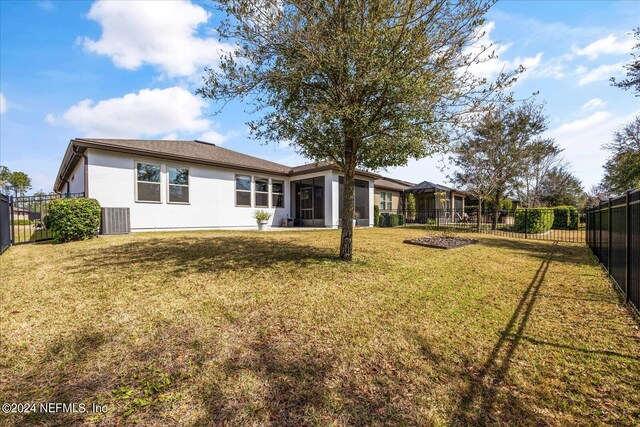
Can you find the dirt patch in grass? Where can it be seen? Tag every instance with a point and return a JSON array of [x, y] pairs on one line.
[[243, 328], [441, 242]]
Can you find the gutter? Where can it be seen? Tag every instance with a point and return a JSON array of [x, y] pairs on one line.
[[86, 169]]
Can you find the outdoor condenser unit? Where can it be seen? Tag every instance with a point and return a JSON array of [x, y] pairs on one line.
[[115, 221]]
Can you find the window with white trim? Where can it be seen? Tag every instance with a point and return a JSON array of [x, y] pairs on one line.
[[277, 194], [243, 190], [147, 182], [385, 201], [178, 185], [261, 188]]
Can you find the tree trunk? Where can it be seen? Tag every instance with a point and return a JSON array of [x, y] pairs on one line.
[[496, 211], [348, 204]]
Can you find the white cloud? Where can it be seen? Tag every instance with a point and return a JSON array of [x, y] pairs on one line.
[[148, 113], [490, 68], [159, 33], [602, 72], [582, 124], [607, 45], [594, 104], [582, 141], [213, 137], [47, 5], [3, 104]]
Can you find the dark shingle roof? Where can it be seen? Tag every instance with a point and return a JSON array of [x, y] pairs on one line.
[[428, 187], [188, 151], [392, 184], [194, 150]]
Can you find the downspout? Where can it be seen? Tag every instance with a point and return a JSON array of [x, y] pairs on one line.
[[86, 170]]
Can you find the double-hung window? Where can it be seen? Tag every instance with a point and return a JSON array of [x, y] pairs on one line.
[[385, 201], [243, 190], [277, 194], [148, 182], [262, 192], [178, 185]]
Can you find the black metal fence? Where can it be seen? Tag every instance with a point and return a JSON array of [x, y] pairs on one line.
[[613, 234], [5, 220], [556, 224], [27, 217]]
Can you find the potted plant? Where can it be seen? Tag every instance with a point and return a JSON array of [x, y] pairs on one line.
[[356, 219], [262, 218]]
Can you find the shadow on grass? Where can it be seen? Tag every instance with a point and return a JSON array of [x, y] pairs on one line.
[[136, 382], [480, 399], [201, 254], [274, 381]]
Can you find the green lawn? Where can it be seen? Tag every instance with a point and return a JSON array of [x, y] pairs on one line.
[[247, 328]]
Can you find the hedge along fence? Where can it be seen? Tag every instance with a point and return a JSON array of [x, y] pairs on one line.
[[73, 219], [533, 220], [390, 220], [565, 218]]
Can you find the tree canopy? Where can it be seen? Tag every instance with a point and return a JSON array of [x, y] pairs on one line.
[[360, 84], [500, 149], [18, 182], [622, 170], [633, 70]]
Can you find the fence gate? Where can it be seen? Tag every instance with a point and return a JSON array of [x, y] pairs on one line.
[[28, 217], [5, 220]]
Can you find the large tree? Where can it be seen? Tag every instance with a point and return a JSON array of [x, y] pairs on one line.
[[360, 84], [18, 182], [529, 184], [633, 70], [499, 149], [559, 187], [622, 170]]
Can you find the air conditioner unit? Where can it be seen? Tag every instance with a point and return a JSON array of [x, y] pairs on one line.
[[115, 221]]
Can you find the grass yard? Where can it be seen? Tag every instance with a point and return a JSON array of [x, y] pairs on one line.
[[247, 328]]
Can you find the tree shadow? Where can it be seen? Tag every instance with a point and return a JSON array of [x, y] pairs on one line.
[[563, 253], [478, 403], [136, 383], [200, 254]]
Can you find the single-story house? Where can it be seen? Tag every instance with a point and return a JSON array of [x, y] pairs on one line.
[[388, 193], [173, 185]]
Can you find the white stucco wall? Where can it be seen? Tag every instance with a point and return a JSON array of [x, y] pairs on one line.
[[112, 181], [76, 179]]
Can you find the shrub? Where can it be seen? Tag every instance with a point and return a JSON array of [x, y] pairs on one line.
[[22, 222], [73, 219], [400, 219], [393, 220], [376, 215], [411, 206], [565, 218], [533, 220]]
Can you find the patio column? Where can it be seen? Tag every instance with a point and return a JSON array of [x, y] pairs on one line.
[[331, 200]]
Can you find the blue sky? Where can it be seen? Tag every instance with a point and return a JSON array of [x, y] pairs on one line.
[[124, 69]]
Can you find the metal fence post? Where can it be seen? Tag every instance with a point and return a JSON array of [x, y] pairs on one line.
[[526, 223], [11, 230], [600, 233], [609, 240], [627, 262]]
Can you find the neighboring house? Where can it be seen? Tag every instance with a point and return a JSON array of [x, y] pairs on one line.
[[388, 193], [172, 185], [430, 196]]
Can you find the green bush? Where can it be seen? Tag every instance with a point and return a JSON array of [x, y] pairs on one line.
[[390, 220], [73, 219], [376, 215], [533, 220], [565, 218], [22, 222]]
